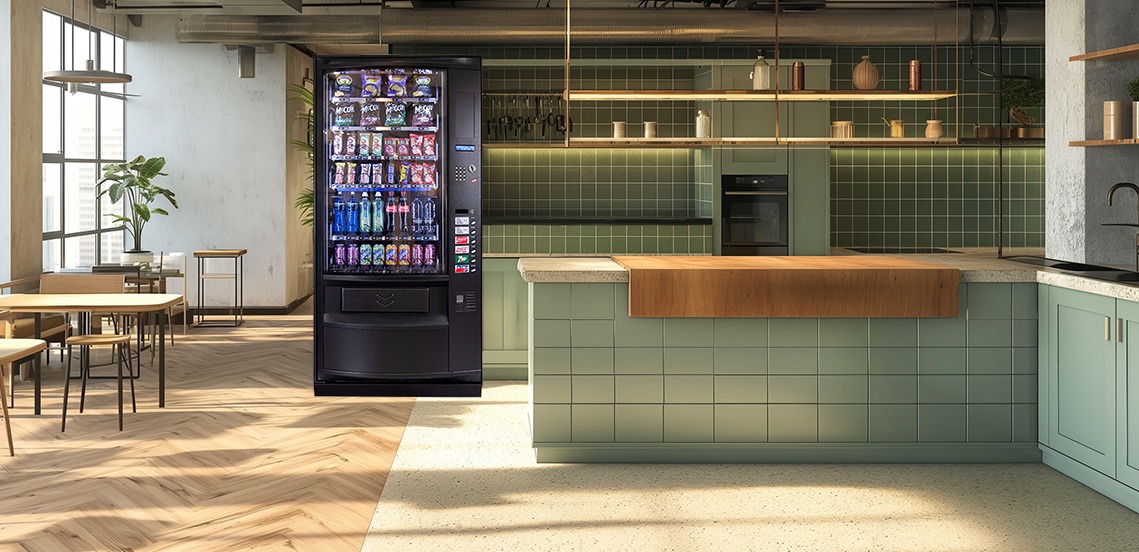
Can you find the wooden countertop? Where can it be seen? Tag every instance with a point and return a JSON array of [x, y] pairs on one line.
[[832, 286]]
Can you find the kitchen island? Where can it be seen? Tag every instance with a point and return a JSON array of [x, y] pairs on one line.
[[607, 387]]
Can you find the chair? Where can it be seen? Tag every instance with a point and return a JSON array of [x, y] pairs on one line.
[[119, 342], [53, 328], [173, 266]]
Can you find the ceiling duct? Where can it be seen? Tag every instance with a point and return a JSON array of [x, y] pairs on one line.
[[618, 26]]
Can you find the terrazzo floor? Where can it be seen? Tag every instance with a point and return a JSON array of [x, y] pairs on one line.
[[464, 478]]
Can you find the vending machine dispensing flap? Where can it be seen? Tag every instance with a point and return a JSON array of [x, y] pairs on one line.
[[406, 300]]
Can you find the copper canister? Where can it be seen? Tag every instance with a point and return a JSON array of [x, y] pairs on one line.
[[915, 74], [798, 76]]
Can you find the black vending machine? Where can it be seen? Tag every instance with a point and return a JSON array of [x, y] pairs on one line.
[[398, 233]]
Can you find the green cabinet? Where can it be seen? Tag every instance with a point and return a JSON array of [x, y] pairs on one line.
[[1127, 394], [505, 314], [1081, 378]]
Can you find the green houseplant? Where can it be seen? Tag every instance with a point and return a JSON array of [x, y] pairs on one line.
[[132, 182], [305, 201]]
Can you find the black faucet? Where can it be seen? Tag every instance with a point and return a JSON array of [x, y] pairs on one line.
[[1110, 195]]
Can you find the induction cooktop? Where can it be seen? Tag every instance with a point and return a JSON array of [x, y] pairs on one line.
[[900, 250]]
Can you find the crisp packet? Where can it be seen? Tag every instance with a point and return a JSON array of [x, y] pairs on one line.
[[344, 114], [364, 147], [365, 175], [340, 169], [429, 145], [396, 114], [404, 173], [422, 86], [350, 173], [416, 174], [371, 86], [350, 143], [337, 143], [377, 144], [416, 144], [371, 114], [423, 115], [403, 147], [429, 174], [390, 147], [397, 86], [343, 85]]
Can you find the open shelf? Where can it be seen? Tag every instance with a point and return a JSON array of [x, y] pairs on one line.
[[696, 221], [1130, 51], [772, 142], [1089, 143], [757, 95]]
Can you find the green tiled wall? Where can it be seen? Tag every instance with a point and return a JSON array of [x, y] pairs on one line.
[[598, 238], [935, 197], [599, 376]]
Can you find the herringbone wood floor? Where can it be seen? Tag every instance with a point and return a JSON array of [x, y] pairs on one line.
[[242, 457]]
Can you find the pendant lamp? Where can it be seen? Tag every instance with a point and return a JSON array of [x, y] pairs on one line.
[[90, 75]]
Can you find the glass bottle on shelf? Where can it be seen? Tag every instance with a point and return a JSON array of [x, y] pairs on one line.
[[761, 74]]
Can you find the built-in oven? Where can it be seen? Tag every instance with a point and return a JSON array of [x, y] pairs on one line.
[[754, 215]]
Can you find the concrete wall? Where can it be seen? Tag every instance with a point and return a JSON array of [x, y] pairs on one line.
[[224, 139], [1078, 179]]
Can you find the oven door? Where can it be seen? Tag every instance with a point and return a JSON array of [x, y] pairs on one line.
[[754, 222]]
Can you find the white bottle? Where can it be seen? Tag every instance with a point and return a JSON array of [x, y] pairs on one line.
[[761, 74], [703, 124]]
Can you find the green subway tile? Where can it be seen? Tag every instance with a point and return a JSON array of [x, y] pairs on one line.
[[941, 332], [592, 301], [990, 389], [893, 389], [843, 332], [740, 423], [688, 332], [935, 389], [591, 423], [893, 423], [592, 389], [638, 361], [639, 389], [740, 361], [990, 360], [591, 333], [638, 423], [1024, 302], [942, 360], [1025, 388], [739, 332], [551, 423], [551, 301], [845, 423], [1024, 333], [843, 389], [990, 333], [843, 361], [740, 389], [793, 361], [794, 332], [689, 423], [893, 360], [551, 389], [688, 389], [990, 423], [792, 423], [893, 332], [1025, 361], [990, 301], [695, 360], [1024, 423], [551, 333], [551, 360], [941, 423], [584, 360], [792, 389]]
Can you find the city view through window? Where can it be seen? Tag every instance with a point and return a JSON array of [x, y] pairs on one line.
[[83, 129]]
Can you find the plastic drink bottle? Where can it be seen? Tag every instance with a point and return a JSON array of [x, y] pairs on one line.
[[352, 215], [403, 212], [416, 217], [378, 215], [338, 215], [365, 254], [390, 215], [429, 217], [365, 214]]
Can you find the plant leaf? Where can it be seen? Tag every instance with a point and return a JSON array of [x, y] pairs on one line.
[[142, 210], [158, 211], [152, 167]]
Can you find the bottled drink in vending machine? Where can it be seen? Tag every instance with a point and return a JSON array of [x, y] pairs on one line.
[[365, 254], [390, 256], [365, 214], [390, 212], [378, 255], [429, 217], [353, 256], [416, 217], [339, 258], [403, 212], [417, 256], [338, 215], [378, 216], [429, 257], [352, 215]]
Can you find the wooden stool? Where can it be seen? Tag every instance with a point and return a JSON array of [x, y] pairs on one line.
[[85, 342]]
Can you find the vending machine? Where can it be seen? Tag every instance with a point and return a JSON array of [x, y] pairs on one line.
[[398, 227]]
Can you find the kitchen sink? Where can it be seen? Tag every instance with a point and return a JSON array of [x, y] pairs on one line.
[[1081, 267], [1097, 272]]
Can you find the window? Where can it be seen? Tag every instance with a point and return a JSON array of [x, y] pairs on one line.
[[84, 129]]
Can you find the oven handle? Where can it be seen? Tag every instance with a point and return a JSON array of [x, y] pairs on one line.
[[755, 193]]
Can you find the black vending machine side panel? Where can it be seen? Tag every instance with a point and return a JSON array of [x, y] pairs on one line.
[[464, 217]]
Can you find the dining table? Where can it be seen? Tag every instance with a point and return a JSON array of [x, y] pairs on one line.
[[97, 304]]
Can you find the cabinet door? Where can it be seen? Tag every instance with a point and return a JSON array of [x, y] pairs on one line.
[[1127, 394], [750, 120], [1081, 377], [504, 312]]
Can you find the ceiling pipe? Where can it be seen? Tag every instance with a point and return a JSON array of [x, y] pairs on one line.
[[884, 27]]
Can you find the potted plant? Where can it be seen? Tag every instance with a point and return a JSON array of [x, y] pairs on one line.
[[132, 182], [1133, 91]]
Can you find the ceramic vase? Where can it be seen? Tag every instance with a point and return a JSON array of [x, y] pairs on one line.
[[761, 74], [865, 75], [703, 124], [933, 128]]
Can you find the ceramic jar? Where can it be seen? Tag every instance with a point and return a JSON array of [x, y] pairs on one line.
[[650, 129], [865, 75], [761, 74], [1114, 120], [933, 128], [618, 129]]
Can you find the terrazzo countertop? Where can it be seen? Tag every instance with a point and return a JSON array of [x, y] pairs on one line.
[[975, 266]]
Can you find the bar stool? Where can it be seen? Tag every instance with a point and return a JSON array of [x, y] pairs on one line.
[[120, 342]]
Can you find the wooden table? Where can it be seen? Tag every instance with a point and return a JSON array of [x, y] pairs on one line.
[[839, 286], [12, 350], [98, 303]]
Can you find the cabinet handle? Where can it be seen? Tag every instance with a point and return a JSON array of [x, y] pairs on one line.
[[1106, 329], [1119, 330]]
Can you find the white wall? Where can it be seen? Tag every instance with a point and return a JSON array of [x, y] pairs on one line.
[[224, 141]]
